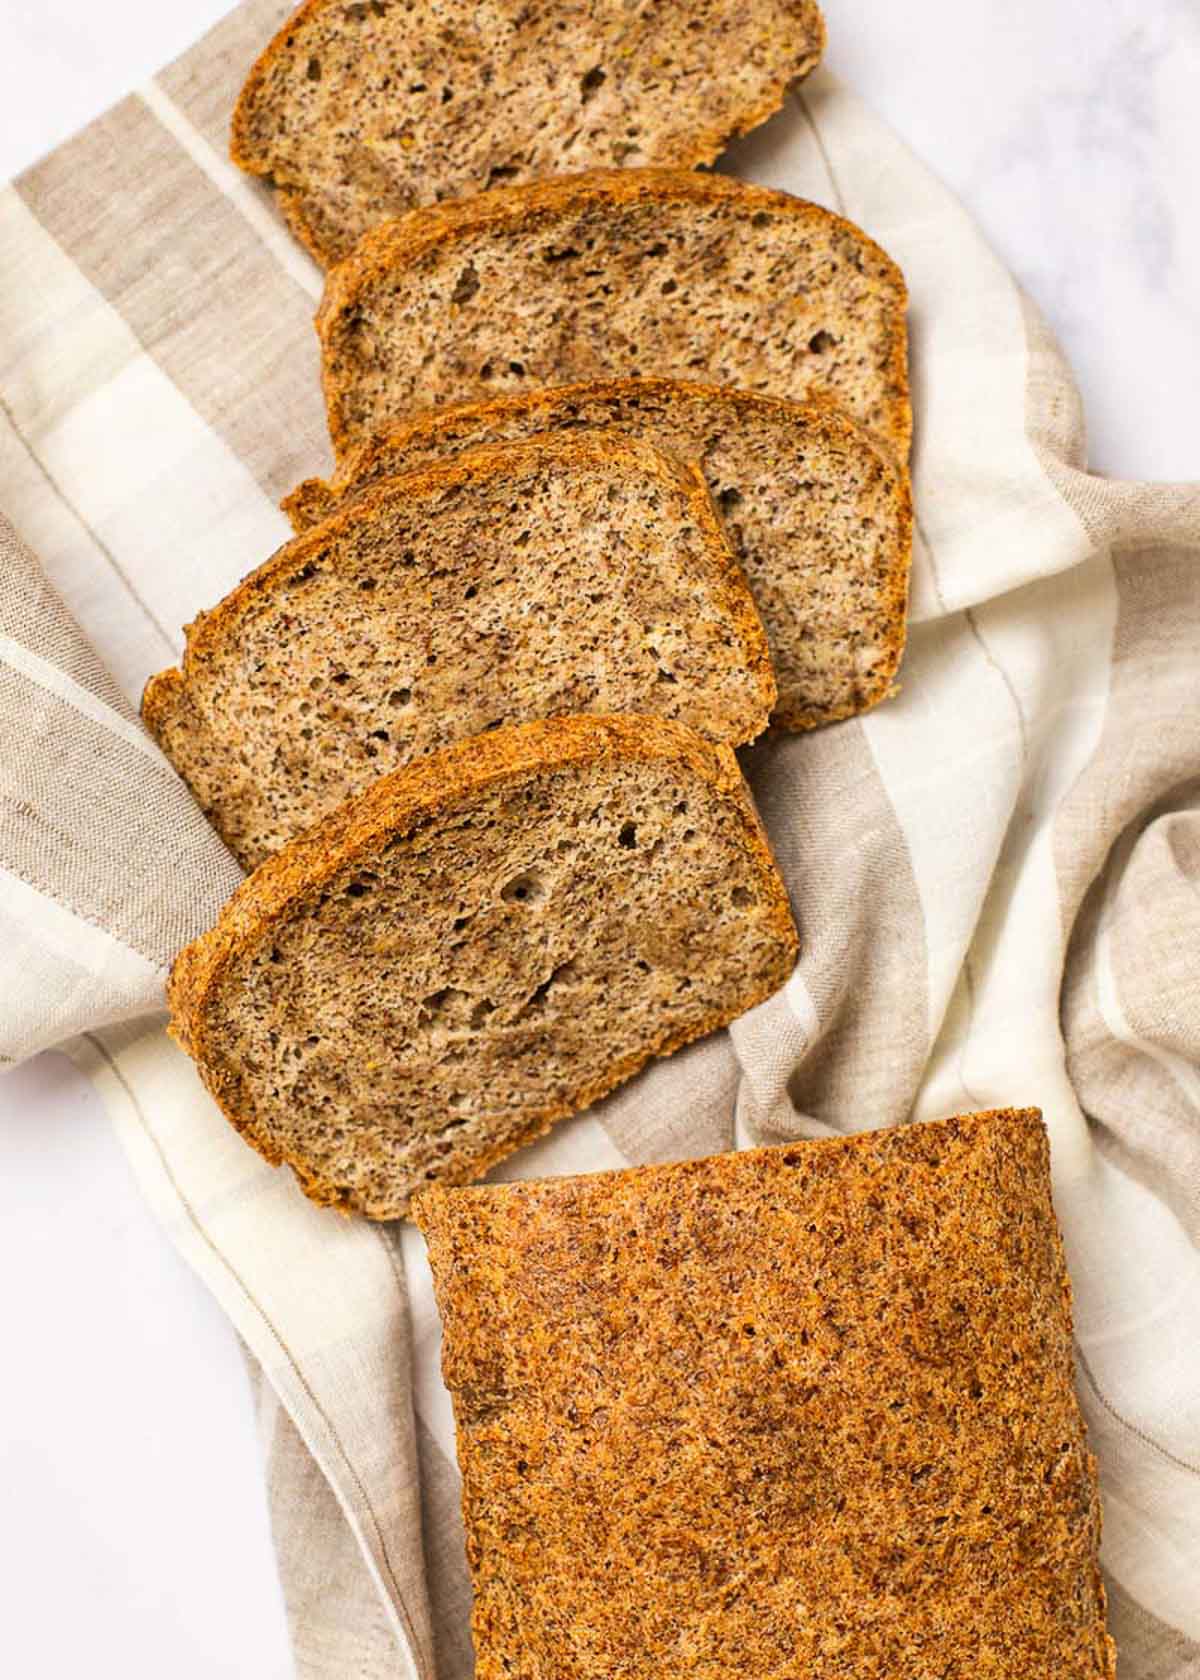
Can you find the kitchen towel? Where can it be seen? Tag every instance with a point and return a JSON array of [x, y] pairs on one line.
[[996, 874]]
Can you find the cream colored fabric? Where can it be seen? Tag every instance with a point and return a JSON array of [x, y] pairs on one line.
[[996, 875], [105, 862]]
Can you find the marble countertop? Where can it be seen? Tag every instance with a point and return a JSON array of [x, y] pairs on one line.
[[134, 1537]]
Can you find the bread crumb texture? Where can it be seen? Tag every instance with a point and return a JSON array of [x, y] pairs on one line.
[[360, 111], [480, 945], [820, 516], [804, 1411], [614, 273], [568, 573]]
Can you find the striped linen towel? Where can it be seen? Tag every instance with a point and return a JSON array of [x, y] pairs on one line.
[[996, 875]]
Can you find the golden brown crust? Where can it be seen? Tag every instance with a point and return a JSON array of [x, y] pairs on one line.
[[160, 700], [240, 149], [707, 144], [308, 504], [402, 242], [806, 1409], [421, 793], [315, 499]]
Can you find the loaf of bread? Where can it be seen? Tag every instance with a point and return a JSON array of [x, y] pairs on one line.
[[565, 573], [478, 946], [619, 272], [791, 1412], [821, 518], [358, 112]]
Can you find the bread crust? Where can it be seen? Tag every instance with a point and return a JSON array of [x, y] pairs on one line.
[[834, 1375], [410, 798], [707, 144], [401, 243], [315, 499], [161, 698]]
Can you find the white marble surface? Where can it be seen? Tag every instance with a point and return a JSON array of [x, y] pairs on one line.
[[133, 1538], [1069, 129]]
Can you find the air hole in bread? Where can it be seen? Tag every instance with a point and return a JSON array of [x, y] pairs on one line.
[[528, 888], [466, 286]]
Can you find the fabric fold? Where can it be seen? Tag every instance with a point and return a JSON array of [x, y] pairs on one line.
[[106, 865]]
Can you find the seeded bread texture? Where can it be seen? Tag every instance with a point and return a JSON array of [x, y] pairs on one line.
[[478, 946], [614, 273], [358, 112], [788, 1412], [820, 517], [566, 573]]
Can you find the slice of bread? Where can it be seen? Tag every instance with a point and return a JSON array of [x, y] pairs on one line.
[[620, 272], [821, 518], [478, 946], [360, 112], [794, 1412], [585, 573]]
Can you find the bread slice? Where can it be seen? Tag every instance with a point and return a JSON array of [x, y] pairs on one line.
[[821, 518], [791, 1412], [478, 946], [564, 573], [616, 273], [359, 112]]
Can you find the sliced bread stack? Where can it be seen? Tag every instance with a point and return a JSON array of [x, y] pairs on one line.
[[472, 727], [548, 305]]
